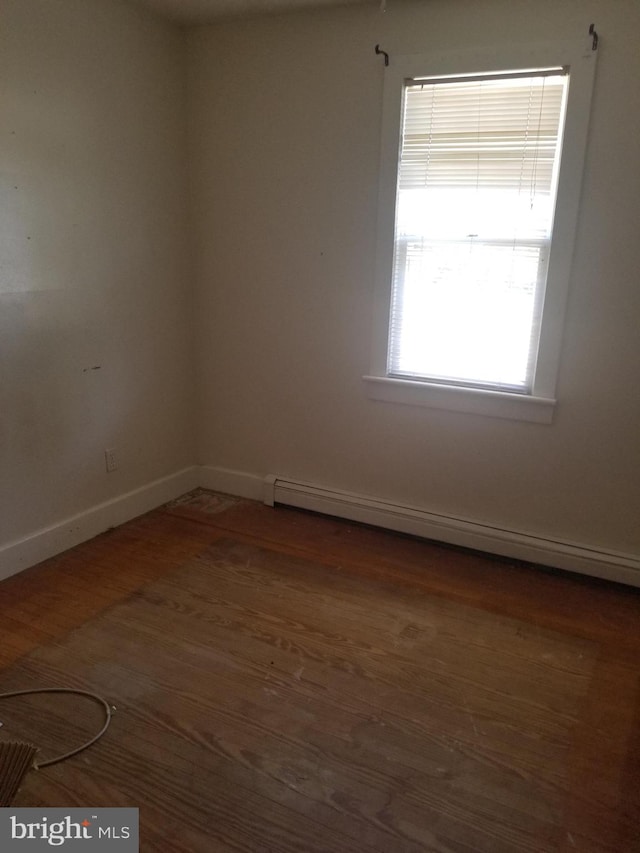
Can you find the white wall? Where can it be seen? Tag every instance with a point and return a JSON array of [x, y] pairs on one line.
[[285, 117], [284, 126], [95, 304]]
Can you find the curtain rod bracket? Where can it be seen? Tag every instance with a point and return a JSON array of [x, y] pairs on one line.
[[594, 37], [384, 53]]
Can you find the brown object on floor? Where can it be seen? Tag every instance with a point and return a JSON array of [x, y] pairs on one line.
[[16, 759], [287, 682]]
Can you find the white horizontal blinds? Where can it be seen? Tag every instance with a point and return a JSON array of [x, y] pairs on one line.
[[476, 182], [484, 133]]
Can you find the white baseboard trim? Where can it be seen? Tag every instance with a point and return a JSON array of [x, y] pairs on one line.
[[22, 553], [230, 482], [623, 568]]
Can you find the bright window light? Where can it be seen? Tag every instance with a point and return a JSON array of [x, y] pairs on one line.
[[477, 178]]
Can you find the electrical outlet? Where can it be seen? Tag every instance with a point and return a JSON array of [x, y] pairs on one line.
[[111, 461]]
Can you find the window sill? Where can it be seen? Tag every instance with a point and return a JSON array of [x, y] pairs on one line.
[[477, 401]]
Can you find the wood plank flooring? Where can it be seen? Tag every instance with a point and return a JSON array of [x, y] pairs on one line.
[[288, 682]]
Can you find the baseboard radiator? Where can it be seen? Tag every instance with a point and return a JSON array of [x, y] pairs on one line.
[[624, 568]]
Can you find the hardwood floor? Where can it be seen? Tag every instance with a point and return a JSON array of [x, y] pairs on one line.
[[288, 682]]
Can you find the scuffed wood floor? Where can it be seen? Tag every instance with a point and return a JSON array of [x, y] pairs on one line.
[[287, 682]]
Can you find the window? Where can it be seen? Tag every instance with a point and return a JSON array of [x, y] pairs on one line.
[[478, 207]]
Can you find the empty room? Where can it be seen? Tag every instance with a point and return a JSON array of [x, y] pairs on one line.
[[320, 426]]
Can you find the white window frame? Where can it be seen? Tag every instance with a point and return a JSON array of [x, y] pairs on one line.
[[539, 405]]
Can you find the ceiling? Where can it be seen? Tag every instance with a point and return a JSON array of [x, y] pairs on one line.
[[201, 11]]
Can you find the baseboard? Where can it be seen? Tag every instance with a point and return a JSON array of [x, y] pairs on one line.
[[231, 482], [45, 543], [623, 568], [20, 554]]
